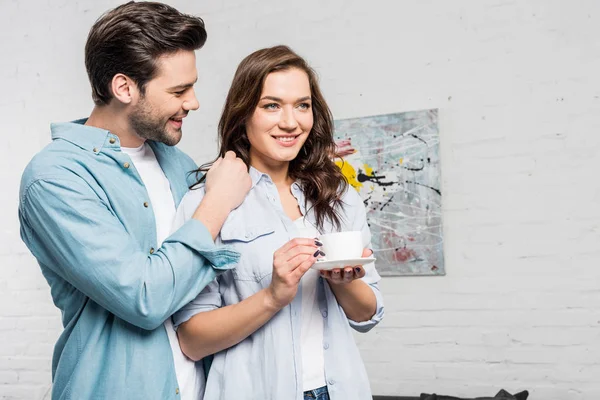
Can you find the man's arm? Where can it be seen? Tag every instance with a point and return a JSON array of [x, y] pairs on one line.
[[227, 183], [81, 240], [71, 231]]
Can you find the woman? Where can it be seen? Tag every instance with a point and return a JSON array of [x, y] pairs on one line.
[[277, 328]]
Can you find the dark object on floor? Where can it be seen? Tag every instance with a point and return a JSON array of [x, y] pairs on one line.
[[501, 395], [395, 398]]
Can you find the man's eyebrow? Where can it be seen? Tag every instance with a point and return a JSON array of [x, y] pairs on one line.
[[305, 98], [183, 85]]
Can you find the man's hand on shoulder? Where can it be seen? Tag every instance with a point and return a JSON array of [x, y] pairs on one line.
[[228, 181], [227, 184]]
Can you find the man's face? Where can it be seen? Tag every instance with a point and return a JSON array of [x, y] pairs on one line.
[[158, 115]]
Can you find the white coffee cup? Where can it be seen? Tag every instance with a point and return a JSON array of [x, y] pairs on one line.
[[342, 245]]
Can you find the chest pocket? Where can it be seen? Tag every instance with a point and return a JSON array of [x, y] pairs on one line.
[[247, 232]]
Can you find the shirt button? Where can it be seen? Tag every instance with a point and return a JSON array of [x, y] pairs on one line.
[[331, 382], [151, 250], [326, 346], [177, 391], [146, 204], [324, 313], [95, 150], [126, 165], [111, 140]]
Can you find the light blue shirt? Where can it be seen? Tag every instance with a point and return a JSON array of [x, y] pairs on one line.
[[267, 364], [85, 215]]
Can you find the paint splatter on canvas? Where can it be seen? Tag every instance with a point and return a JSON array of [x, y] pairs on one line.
[[395, 167]]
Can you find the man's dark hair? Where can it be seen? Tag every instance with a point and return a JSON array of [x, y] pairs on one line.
[[130, 39]]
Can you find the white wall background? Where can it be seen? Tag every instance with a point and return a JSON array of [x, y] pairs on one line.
[[518, 90]]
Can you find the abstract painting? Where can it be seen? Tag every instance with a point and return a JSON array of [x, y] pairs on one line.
[[393, 162]]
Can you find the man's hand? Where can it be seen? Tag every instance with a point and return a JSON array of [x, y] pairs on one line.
[[228, 181], [339, 276], [227, 184]]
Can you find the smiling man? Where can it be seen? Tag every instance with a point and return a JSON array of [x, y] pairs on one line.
[[97, 204]]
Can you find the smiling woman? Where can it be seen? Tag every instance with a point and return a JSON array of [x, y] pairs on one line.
[[282, 120], [301, 346], [275, 93]]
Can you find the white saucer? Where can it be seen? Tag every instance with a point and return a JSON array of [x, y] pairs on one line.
[[349, 262]]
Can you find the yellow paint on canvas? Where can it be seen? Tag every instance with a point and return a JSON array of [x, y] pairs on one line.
[[350, 173]]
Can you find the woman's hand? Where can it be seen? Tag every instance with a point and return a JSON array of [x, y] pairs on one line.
[[290, 263], [340, 276]]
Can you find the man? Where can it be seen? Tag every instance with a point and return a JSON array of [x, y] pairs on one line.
[[96, 207]]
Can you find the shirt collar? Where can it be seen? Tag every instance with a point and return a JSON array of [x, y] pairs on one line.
[[256, 176], [87, 137]]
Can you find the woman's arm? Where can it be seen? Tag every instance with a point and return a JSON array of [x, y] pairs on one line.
[[354, 295], [212, 331], [355, 287]]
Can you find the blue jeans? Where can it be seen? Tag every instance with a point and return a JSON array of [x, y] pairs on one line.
[[317, 394]]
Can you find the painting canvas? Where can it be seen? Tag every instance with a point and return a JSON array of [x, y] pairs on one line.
[[396, 169]]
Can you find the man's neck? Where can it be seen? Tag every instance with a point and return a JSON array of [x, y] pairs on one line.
[[105, 117]]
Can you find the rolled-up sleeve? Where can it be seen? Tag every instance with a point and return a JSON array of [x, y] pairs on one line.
[[209, 299], [357, 218], [72, 231], [371, 278]]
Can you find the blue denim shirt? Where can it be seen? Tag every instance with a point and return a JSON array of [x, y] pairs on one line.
[[267, 364], [85, 215]]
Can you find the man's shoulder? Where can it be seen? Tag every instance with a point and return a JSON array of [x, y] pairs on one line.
[[55, 160], [175, 154]]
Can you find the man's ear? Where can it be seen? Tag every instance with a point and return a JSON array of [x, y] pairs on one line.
[[124, 89]]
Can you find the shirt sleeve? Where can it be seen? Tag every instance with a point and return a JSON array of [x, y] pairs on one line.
[[70, 230], [358, 222], [210, 297]]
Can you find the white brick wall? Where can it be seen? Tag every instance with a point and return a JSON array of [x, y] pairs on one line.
[[518, 90]]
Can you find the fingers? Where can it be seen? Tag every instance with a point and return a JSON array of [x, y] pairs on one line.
[[302, 268], [291, 256], [216, 163], [344, 275], [304, 242], [367, 253], [359, 272], [230, 155]]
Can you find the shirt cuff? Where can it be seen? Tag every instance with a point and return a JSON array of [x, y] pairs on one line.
[[204, 302], [366, 326], [194, 235]]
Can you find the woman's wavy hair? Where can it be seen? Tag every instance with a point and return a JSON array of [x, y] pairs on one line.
[[322, 181]]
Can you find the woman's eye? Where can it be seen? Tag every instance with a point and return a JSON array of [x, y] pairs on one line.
[[304, 106], [270, 106]]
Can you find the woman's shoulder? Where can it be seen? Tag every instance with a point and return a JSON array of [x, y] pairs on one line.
[[191, 200], [350, 197]]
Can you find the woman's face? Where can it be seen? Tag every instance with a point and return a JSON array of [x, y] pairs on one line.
[[282, 119]]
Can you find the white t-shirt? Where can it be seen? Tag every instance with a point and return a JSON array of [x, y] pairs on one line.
[[311, 336], [191, 384]]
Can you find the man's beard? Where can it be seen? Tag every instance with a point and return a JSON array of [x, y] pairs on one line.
[[149, 127]]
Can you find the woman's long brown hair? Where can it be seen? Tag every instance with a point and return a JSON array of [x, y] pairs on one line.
[[322, 181]]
